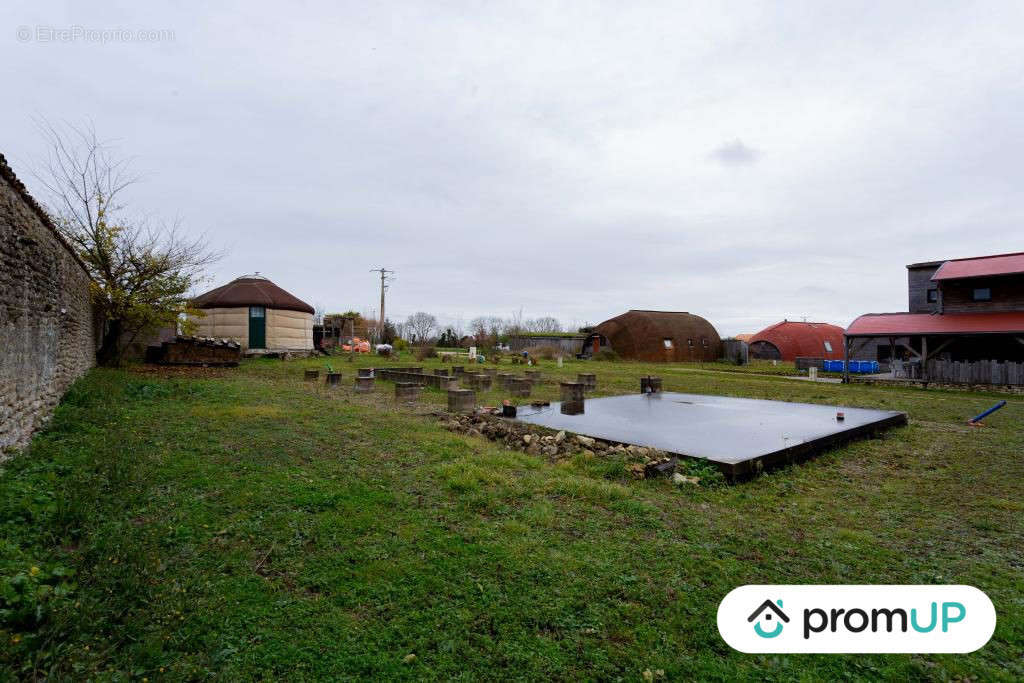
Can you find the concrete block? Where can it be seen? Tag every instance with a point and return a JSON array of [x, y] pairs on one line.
[[461, 400], [572, 391], [407, 391]]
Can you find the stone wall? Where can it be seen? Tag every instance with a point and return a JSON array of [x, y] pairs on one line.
[[47, 326]]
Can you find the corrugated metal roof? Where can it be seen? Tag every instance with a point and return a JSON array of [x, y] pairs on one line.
[[794, 339], [903, 324], [1001, 264]]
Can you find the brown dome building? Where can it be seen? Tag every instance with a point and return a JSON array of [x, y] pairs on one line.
[[787, 339], [658, 336], [257, 314]]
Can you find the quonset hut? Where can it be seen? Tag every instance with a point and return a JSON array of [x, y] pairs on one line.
[[787, 340], [257, 314], [659, 336]]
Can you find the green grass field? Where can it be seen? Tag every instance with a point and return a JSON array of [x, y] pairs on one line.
[[241, 523]]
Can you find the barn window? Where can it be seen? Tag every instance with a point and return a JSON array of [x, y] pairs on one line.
[[982, 294], [933, 296], [667, 342], [703, 341], [828, 346], [689, 342]]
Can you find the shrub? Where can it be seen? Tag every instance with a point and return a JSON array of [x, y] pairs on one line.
[[546, 352], [400, 344], [606, 354], [421, 352], [710, 476]]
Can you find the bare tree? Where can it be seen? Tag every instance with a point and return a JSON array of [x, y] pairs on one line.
[[142, 272], [478, 329], [515, 323], [544, 324], [496, 326], [420, 326]]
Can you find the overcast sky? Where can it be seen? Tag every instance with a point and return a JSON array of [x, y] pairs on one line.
[[744, 162]]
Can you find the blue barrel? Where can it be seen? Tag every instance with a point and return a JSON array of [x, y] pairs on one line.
[[856, 366], [827, 366], [874, 366]]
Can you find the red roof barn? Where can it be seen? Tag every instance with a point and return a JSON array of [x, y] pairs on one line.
[[787, 340]]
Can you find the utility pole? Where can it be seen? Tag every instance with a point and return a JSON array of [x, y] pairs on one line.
[[384, 278], [351, 339]]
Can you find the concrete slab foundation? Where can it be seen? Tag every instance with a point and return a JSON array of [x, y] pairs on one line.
[[742, 436]]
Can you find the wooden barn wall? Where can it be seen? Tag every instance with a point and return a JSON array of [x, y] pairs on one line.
[[1007, 294], [918, 283]]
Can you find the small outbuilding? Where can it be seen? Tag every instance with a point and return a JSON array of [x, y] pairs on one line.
[[257, 314], [788, 340], [659, 336]]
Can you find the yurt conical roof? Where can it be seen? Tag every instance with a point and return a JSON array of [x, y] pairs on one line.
[[251, 290]]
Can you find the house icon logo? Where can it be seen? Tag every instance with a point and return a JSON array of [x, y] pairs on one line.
[[767, 613]]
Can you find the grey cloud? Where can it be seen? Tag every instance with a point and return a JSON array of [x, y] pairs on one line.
[[576, 163], [735, 153]]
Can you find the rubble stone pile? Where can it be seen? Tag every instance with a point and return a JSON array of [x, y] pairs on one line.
[[188, 350], [642, 463]]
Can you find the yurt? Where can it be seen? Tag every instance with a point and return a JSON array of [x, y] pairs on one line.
[[669, 336], [787, 340], [257, 314]]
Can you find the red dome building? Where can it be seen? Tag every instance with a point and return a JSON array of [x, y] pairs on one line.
[[787, 340]]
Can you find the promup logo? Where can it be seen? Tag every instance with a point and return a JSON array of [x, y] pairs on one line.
[[857, 619], [765, 612]]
